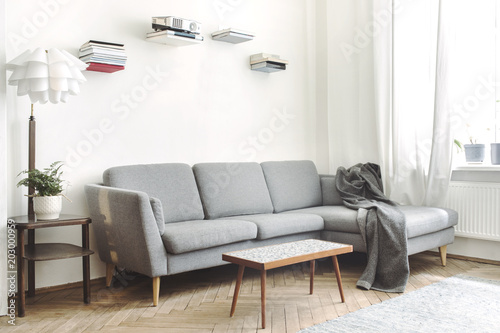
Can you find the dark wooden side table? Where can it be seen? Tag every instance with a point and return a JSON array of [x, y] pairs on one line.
[[49, 251]]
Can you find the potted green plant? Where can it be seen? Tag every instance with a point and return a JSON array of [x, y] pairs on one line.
[[48, 187]]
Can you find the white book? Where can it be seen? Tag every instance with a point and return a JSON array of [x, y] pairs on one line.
[[262, 57]]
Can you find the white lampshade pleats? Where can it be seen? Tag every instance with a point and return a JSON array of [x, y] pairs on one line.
[[50, 75]]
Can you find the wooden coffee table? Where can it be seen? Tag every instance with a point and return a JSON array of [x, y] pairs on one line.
[[274, 256]]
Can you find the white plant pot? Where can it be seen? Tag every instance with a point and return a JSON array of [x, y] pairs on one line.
[[495, 153], [47, 208], [474, 153]]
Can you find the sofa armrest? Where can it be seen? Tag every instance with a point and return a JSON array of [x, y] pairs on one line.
[[126, 230], [331, 196]]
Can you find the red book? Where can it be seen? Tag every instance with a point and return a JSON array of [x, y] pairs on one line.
[[97, 67]]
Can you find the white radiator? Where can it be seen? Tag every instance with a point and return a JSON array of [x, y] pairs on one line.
[[478, 207]]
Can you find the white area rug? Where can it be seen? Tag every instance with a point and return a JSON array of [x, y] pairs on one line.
[[457, 304]]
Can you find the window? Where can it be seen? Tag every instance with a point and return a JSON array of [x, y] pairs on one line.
[[476, 113]]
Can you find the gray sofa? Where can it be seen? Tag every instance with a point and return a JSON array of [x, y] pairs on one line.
[[163, 219]]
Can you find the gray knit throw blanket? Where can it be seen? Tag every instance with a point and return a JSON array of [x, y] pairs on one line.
[[382, 226]]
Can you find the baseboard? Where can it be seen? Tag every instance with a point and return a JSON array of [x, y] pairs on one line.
[[457, 256], [69, 286]]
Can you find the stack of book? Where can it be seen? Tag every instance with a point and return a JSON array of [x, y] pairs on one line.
[[103, 56], [265, 62]]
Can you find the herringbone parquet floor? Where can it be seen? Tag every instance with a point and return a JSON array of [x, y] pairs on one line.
[[200, 301]]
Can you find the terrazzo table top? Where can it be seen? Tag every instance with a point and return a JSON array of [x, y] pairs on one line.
[[267, 257]]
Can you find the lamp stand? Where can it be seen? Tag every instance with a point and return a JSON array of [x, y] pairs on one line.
[[31, 160], [31, 191]]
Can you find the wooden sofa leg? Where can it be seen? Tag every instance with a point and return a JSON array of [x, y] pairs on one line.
[[442, 253], [109, 273], [156, 290]]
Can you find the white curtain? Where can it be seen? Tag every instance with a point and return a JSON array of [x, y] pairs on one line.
[[420, 166], [389, 70]]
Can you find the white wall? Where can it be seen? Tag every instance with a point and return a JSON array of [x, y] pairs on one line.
[[171, 104]]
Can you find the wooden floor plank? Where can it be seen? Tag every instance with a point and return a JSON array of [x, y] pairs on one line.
[[200, 301], [292, 318]]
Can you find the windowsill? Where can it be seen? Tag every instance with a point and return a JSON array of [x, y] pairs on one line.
[[476, 173], [477, 167]]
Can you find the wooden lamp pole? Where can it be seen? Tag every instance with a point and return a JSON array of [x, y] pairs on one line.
[[31, 160]]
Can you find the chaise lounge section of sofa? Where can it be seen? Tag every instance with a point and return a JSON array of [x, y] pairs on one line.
[[164, 219]]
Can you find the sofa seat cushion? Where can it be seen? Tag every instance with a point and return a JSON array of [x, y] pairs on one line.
[[336, 218], [420, 220], [181, 237], [275, 225], [231, 189]]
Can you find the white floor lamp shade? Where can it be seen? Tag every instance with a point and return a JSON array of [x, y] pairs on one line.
[[44, 76], [50, 75]]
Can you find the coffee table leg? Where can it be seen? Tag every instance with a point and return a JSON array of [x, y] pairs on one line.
[[263, 296], [339, 280], [241, 269], [311, 278]]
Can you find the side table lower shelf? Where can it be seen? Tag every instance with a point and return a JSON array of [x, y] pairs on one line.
[[54, 251]]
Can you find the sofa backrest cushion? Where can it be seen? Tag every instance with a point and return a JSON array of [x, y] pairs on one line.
[[331, 196], [230, 189], [292, 184], [172, 183]]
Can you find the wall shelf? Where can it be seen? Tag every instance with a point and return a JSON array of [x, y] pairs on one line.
[[233, 36], [173, 38]]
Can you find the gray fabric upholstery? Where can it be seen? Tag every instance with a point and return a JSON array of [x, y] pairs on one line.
[[229, 189], [172, 183], [357, 242], [423, 220], [158, 214], [420, 220], [127, 217], [431, 241], [292, 184], [329, 191], [125, 229], [415, 245], [337, 218], [195, 235], [274, 225], [188, 261]]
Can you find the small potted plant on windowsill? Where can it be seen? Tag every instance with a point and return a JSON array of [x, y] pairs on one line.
[[474, 152], [48, 187]]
